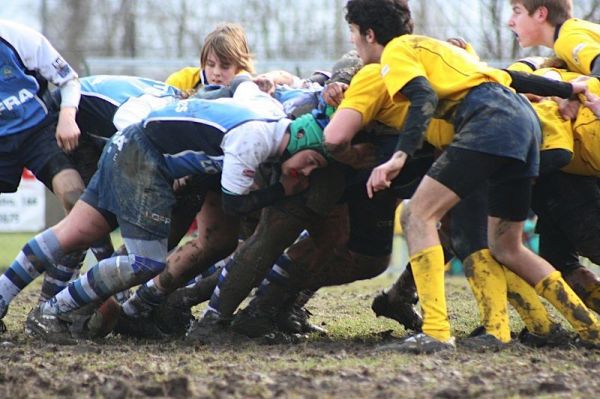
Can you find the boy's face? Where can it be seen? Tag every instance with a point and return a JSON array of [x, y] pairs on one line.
[[526, 27], [362, 45], [217, 72], [303, 163]]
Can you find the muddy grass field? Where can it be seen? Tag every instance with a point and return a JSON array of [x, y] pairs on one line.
[[346, 363]]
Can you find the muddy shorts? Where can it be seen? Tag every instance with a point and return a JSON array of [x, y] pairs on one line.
[[132, 182], [494, 120]]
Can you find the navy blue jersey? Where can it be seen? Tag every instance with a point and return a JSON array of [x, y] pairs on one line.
[[27, 63], [103, 95]]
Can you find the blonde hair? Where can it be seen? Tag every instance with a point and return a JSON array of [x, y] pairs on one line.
[[228, 42], [558, 10]]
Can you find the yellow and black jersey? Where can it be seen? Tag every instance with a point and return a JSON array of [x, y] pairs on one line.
[[368, 96], [578, 44], [450, 70], [185, 79]]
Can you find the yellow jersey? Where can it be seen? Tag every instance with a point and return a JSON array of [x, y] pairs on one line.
[[578, 44], [185, 79], [450, 70]]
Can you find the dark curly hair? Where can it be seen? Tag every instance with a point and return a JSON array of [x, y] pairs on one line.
[[387, 18]]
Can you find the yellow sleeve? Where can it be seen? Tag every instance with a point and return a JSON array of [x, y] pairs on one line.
[[578, 44], [399, 65], [184, 79], [366, 93]]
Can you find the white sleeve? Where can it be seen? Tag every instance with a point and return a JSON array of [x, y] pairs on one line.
[[137, 108], [37, 53], [70, 94], [244, 149]]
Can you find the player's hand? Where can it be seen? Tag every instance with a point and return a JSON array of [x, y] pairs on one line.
[[458, 42], [382, 176], [67, 131], [580, 85], [265, 83], [592, 102], [568, 109], [333, 93]]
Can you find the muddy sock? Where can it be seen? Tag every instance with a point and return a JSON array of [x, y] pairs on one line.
[[528, 304], [103, 249], [145, 299], [487, 281], [278, 273], [564, 299], [38, 255], [404, 288], [59, 274], [428, 271]]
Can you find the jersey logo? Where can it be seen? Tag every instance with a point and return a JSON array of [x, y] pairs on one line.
[[576, 52], [7, 72], [61, 66], [384, 70], [10, 102], [248, 173]]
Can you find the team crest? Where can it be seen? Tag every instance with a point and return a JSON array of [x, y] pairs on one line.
[[7, 72]]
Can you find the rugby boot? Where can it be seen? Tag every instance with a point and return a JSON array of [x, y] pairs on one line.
[[398, 302], [138, 327], [480, 340], [48, 327], [419, 343], [294, 317], [209, 329], [3, 311], [558, 337]]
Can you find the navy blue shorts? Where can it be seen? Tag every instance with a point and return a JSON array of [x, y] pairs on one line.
[[133, 184], [36, 150]]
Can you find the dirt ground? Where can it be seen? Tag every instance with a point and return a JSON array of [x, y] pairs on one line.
[[345, 363]]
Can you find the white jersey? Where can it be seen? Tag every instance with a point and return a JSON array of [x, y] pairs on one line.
[[247, 146]]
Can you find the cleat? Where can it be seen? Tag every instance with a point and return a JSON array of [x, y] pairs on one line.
[[172, 320], [420, 343], [295, 321], [281, 338], [48, 327], [138, 327], [480, 341], [404, 312], [254, 322], [209, 329], [557, 337]]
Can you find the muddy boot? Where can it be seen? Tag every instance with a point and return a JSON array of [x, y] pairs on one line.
[[479, 340], [138, 327], [293, 318], [259, 317], [399, 301], [3, 311], [586, 285], [558, 337], [209, 329]]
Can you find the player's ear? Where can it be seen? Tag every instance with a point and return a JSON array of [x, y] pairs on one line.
[[370, 36]]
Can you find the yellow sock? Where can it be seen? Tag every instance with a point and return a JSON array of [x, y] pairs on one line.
[[528, 304], [428, 270], [564, 299], [488, 283]]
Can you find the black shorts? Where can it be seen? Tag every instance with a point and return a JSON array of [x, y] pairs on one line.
[[35, 150], [463, 171]]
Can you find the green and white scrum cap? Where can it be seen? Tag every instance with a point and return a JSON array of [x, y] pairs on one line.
[[306, 134]]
